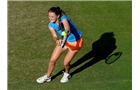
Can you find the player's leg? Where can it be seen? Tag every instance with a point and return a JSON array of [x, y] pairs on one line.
[[70, 55], [55, 55], [74, 47]]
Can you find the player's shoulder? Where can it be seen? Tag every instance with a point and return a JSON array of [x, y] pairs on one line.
[[64, 17]]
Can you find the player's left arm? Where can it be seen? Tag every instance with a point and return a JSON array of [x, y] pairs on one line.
[[66, 26], [66, 32]]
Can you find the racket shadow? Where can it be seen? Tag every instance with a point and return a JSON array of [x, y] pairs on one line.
[[101, 49], [113, 57]]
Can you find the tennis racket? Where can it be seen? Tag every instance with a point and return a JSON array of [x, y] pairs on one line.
[[64, 41], [65, 35]]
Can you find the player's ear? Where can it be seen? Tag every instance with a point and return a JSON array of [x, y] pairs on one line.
[[58, 16]]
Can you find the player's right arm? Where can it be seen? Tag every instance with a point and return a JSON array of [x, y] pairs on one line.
[[54, 35]]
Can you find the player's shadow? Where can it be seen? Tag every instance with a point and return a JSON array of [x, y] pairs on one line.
[[101, 49]]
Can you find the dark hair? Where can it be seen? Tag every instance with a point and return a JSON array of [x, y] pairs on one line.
[[57, 11]]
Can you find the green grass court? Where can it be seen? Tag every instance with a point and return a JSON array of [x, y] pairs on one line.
[[30, 45]]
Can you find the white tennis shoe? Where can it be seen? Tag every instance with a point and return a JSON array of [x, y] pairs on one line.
[[65, 78], [43, 79]]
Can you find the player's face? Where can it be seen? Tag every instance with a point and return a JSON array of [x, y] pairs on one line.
[[52, 17]]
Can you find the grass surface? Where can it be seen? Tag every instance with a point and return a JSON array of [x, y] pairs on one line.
[[30, 45]]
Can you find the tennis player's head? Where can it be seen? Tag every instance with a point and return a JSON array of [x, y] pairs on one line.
[[54, 13], [107, 36]]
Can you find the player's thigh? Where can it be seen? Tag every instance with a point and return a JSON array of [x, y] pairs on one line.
[[69, 56], [57, 53]]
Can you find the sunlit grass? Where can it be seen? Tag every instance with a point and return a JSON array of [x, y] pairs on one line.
[[30, 45]]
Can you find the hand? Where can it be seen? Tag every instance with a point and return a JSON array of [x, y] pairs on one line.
[[58, 42]]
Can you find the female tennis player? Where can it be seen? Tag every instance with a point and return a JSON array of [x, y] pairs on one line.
[[70, 38]]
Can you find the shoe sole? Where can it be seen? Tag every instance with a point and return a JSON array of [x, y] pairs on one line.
[[43, 82]]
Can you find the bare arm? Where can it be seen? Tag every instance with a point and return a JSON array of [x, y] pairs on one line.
[[66, 25], [66, 32], [54, 35]]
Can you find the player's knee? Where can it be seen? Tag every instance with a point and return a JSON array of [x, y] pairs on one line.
[[52, 61], [66, 64]]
